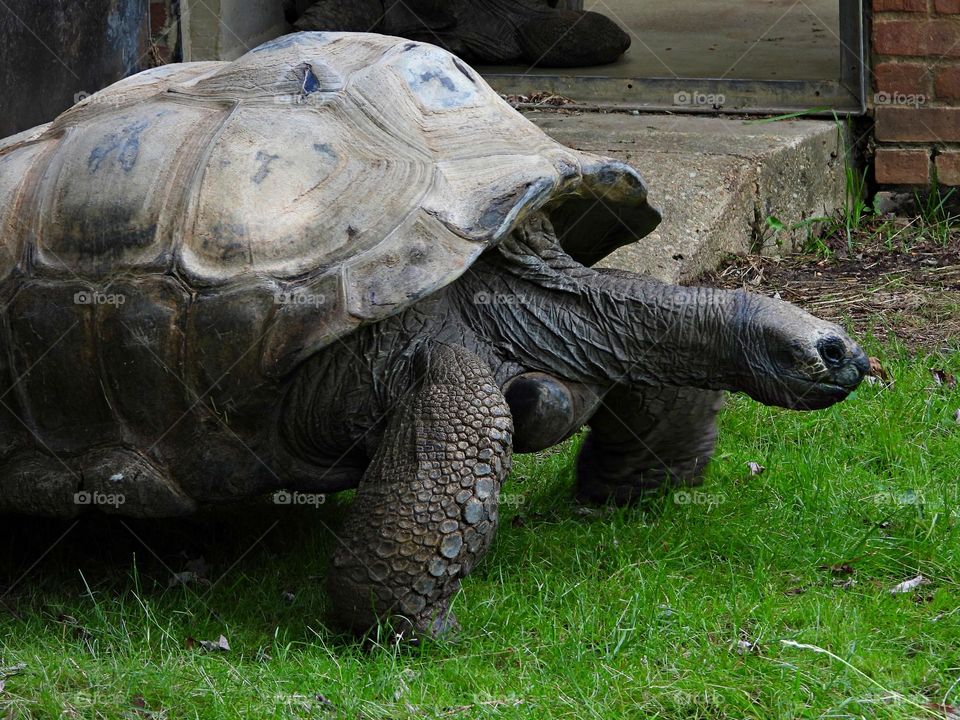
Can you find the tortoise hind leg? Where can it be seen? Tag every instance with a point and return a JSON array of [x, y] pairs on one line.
[[340, 16], [426, 508], [572, 38], [642, 442]]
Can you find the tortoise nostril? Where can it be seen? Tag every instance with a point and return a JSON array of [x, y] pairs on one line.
[[833, 352]]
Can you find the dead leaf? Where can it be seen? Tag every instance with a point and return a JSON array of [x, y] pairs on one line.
[[755, 468], [11, 670], [839, 568], [76, 629], [195, 572], [878, 374], [908, 585], [539, 98], [325, 702], [198, 566], [218, 645], [183, 578], [943, 379], [189, 642], [800, 590], [949, 711]]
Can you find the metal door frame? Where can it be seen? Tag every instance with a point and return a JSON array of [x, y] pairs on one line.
[[847, 95]]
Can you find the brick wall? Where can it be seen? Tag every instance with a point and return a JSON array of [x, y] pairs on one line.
[[916, 78]]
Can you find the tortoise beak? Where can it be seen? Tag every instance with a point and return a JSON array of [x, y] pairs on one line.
[[846, 364]]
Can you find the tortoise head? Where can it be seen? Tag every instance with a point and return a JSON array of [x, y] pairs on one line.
[[790, 358]]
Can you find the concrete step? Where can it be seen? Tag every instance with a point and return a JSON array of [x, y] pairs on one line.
[[716, 180]]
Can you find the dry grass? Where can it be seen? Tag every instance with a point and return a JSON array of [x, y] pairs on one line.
[[910, 292]]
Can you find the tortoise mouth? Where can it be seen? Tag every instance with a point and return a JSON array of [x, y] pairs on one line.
[[809, 395]]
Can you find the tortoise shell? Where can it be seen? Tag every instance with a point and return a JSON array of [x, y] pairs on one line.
[[181, 240]]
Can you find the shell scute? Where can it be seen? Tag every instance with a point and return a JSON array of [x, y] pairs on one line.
[[365, 169]]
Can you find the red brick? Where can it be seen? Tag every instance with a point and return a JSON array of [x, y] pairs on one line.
[[894, 166], [910, 78], [948, 7], [925, 124], [899, 5], [948, 168], [947, 84], [917, 37], [158, 16]]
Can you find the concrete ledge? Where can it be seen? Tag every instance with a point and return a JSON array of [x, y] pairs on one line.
[[716, 180]]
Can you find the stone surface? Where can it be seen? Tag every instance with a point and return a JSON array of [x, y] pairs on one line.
[[716, 180]]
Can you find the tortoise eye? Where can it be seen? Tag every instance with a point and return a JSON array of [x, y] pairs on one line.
[[832, 351]]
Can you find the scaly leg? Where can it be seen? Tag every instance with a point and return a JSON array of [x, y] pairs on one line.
[[426, 508]]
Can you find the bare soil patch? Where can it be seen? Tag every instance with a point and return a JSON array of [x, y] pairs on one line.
[[894, 282]]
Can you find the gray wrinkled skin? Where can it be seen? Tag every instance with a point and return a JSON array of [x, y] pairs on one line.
[[420, 400], [531, 32]]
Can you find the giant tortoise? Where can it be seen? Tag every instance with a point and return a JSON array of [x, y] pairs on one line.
[[343, 261]]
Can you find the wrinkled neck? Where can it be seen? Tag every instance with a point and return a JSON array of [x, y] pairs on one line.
[[605, 327], [667, 334]]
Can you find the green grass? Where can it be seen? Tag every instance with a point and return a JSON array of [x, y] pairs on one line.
[[629, 613], [858, 221]]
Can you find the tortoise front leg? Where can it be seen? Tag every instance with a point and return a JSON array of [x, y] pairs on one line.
[[643, 441], [426, 508]]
